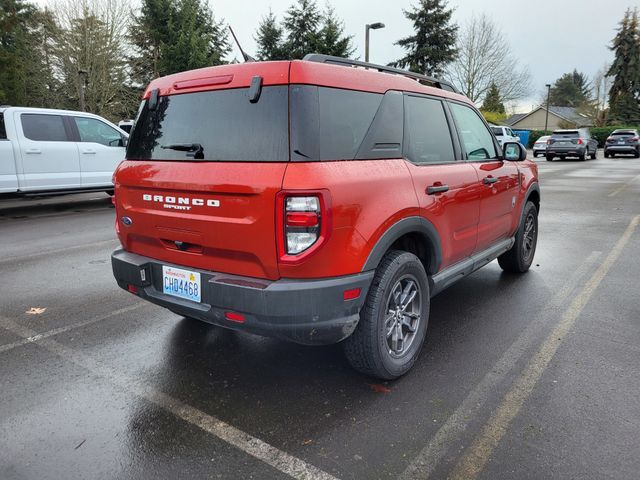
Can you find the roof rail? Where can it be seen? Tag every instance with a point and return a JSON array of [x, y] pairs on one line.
[[423, 79]]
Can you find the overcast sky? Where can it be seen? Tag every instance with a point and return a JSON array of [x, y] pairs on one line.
[[551, 37]]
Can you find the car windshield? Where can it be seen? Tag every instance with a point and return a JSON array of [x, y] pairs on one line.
[[497, 131]]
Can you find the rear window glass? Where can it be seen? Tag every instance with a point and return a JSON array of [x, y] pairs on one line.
[[3, 131], [571, 134], [43, 128], [329, 123], [214, 125], [623, 134]]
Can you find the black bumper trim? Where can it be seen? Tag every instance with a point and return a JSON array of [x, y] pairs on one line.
[[310, 312]]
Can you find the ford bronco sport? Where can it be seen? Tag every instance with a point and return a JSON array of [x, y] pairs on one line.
[[319, 201]]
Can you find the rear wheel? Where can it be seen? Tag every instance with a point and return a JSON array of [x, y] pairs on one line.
[[519, 258], [583, 156], [637, 154], [594, 155], [549, 158], [393, 320], [606, 154]]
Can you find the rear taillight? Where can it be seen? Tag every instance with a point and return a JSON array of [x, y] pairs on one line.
[[611, 139], [549, 142], [303, 223], [579, 141], [634, 139]]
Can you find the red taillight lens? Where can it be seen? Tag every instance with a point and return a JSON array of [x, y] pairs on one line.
[[234, 317], [351, 294], [301, 219], [132, 288], [634, 139], [579, 141]]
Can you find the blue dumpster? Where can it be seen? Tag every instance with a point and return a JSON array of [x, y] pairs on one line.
[[523, 135]]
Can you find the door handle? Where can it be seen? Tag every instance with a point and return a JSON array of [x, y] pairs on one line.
[[489, 180], [437, 188], [33, 151], [89, 152]]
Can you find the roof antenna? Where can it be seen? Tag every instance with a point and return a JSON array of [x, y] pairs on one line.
[[245, 55]]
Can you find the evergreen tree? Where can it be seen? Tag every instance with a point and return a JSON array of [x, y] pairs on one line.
[[624, 96], [571, 90], [26, 74], [269, 39], [331, 38], [492, 101], [432, 47], [302, 23], [175, 35]]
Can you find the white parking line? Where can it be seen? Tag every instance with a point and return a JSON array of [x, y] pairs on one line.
[[624, 186], [278, 459], [476, 456], [428, 459], [58, 331]]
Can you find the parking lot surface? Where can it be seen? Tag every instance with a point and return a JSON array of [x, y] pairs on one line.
[[532, 376]]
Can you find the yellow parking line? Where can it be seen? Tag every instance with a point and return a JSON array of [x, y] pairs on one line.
[[476, 456]]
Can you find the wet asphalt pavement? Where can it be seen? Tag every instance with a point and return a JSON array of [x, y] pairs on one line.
[[532, 376]]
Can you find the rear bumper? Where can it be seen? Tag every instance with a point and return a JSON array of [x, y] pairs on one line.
[[622, 148], [310, 312], [567, 152]]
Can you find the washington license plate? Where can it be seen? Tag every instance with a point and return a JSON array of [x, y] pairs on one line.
[[181, 283]]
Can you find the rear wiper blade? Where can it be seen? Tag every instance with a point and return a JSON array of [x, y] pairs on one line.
[[183, 147], [197, 148]]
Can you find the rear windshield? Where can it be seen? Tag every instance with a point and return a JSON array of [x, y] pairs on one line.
[[214, 125], [623, 134], [3, 131], [497, 131], [569, 134]]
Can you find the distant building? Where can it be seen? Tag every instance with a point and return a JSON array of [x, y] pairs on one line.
[[559, 117]]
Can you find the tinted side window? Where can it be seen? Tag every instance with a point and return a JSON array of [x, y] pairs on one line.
[[43, 128], [329, 123], [92, 130], [476, 137], [3, 131], [427, 135]]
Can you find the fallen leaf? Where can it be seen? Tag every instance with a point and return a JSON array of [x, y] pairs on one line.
[[307, 442], [376, 387], [35, 311]]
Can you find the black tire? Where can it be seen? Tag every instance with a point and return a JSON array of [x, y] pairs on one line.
[[637, 154], [594, 155], [549, 158], [584, 155], [606, 154], [519, 258], [368, 349]]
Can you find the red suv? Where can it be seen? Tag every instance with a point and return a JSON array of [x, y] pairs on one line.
[[318, 201]]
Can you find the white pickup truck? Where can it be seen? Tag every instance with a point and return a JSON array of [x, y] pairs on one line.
[[57, 151]]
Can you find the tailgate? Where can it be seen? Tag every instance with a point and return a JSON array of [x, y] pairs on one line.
[[207, 215]]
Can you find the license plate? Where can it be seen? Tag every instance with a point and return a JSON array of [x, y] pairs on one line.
[[621, 142], [181, 283]]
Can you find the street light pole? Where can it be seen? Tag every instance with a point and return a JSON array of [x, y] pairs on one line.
[[546, 119], [367, 27]]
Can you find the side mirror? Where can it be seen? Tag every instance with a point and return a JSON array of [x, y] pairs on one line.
[[514, 152]]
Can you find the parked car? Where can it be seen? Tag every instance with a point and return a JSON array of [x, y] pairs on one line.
[[623, 141], [504, 134], [290, 199], [571, 143], [125, 125], [57, 151], [540, 146]]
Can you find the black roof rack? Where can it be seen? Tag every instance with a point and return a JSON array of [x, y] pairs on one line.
[[425, 80]]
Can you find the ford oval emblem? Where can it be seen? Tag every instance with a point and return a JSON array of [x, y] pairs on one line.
[[127, 221]]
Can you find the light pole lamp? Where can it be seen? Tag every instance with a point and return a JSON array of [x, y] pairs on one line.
[[367, 27], [546, 118]]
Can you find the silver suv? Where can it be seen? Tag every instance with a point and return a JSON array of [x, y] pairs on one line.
[[572, 143]]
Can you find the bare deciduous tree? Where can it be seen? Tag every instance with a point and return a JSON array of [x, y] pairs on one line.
[[601, 86], [91, 55], [484, 57]]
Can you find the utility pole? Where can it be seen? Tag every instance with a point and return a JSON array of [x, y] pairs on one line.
[[367, 27], [82, 78], [546, 118]]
